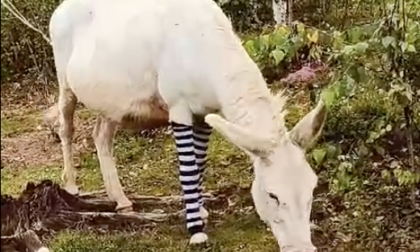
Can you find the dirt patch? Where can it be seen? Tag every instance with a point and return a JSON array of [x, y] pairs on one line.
[[28, 93], [34, 145], [42, 148], [29, 149]]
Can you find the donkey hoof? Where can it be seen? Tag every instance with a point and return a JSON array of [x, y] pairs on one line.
[[198, 238], [72, 189], [125, 209], [43, 249]]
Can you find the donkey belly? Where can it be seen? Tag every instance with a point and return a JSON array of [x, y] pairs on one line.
[[106, 83]]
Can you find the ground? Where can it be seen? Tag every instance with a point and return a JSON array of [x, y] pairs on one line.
[[147, 165]]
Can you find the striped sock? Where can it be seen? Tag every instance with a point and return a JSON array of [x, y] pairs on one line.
[[202, 134], [189, 175]]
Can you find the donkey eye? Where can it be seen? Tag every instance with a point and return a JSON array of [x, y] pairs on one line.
[[274, 197]]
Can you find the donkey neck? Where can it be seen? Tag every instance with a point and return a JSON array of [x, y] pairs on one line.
[[249, 104]]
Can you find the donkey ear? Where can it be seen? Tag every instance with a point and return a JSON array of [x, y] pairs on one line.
[[256, 144], [307, 130]]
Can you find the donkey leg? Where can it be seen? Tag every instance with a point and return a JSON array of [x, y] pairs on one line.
[[202, 132], [189, 176], [103, 135], [66, 107]]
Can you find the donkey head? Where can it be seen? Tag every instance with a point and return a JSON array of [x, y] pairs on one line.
[[284, 181]]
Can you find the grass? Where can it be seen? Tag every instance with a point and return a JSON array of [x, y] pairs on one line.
[[232, 233], [18, 123], [14, 180], [359, 210]]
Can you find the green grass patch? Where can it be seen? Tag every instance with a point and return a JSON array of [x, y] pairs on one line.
[[14, 124], [231, 233], [150, 166], [13, 181]]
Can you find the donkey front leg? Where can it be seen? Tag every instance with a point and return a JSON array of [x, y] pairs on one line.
[[103, 135], [189, 176], [202, 132]]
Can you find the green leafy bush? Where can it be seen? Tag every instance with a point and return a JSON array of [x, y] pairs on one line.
[[23, 50], [284, 48]]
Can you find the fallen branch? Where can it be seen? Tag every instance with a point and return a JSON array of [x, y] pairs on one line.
[[156, 217], [99, 198], [102, 193], [92, 194], [101, 202]]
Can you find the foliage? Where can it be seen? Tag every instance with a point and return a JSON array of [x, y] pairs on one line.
[[374, 76], [384, 55], [283, 48], [24, 51]]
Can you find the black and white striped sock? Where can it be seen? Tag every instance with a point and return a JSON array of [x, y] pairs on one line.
[[202, 134], [189, 175]]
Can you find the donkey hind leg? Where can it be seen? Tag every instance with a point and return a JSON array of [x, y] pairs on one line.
[[66, 107], [202, 132], [103, 135], [189, 176]]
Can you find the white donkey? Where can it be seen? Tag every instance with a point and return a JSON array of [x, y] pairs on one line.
[[150, 62]]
